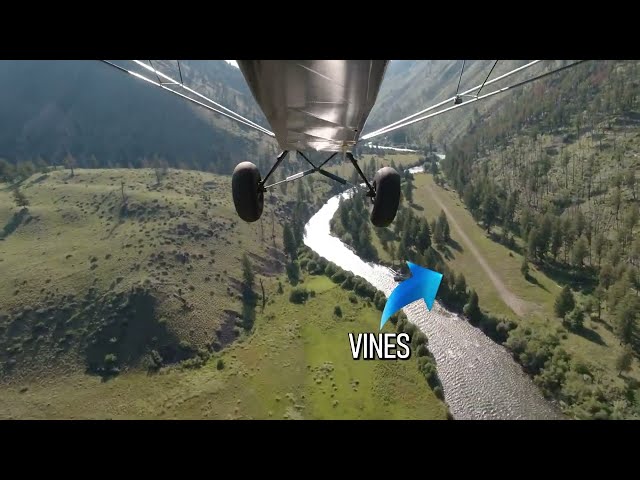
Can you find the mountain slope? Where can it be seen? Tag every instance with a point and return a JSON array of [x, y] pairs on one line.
[[553, 176], [412, 85], [105, 118]]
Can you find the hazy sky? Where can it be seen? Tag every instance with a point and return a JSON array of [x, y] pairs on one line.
[[232, 62]]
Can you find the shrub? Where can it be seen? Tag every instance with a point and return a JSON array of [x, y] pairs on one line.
[[220, 364], [312, 266], [363, 289], [581, 368], [438, 392], [410, 329], [575, 319], [564, 303], [322, 265], [532, 351], [553, 375], [348, 282], [337, 311], [195, 362], [379, 300], [418, 338], [422, 350], [293, 272], [353, 298], [428, 369], [298, 295], [339, 276], [472, 309], [155, 360], [330, 269]]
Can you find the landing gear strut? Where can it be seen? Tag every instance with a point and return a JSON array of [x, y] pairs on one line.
[[384, 193], [248, 188]]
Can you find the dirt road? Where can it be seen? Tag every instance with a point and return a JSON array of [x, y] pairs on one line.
[[513, 302]]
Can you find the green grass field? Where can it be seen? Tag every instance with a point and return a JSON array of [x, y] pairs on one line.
[[295, 365], [537, 298], [182, 241]]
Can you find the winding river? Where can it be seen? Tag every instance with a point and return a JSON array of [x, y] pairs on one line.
[[479, 378]]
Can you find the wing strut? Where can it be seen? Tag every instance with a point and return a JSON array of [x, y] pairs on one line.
[[405, 122], [170, 81]]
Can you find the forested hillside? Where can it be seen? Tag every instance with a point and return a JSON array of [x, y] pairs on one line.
[[557, 170], [90, 114], [411, 85], [553, 175]]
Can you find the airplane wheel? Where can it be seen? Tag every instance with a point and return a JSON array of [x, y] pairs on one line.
[[247, 197], [385, 205]]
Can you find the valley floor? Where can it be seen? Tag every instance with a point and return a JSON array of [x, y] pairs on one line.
[[87, 240], [295, 365]]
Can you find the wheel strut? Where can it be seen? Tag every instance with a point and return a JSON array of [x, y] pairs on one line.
[[372, 191]]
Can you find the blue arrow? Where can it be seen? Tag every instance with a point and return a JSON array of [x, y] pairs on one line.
[[423, 283]]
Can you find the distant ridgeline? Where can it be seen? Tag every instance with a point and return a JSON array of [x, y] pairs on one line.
[[89, 115]]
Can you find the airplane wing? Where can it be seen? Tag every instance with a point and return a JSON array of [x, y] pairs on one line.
[[317, 105]]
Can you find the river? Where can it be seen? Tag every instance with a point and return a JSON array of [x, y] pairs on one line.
[[480, 379]]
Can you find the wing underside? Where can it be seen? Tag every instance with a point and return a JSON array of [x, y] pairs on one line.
[[315, 104]]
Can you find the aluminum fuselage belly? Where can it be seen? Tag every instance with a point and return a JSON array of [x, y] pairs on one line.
[[317, 105]]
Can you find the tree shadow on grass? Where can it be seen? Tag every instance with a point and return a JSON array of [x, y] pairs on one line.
[[511, 245], [534, 281], [18, 218], [599, 321], [446, 252], [583, 280], [590, 335], [455, 245]]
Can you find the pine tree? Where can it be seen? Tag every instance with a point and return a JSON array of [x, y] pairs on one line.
[[532, 243], [624, 360], [438, 234], [556, 238], [430, 258], [606, 276], [289, 241], [580, 251], [599, 243], [627, 312], [408, 190], [461, 285], [247, 272], [70, 163], [564, 302], [489, 210], [524, 268], [442, 220], [423, 240], [472, 308]]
